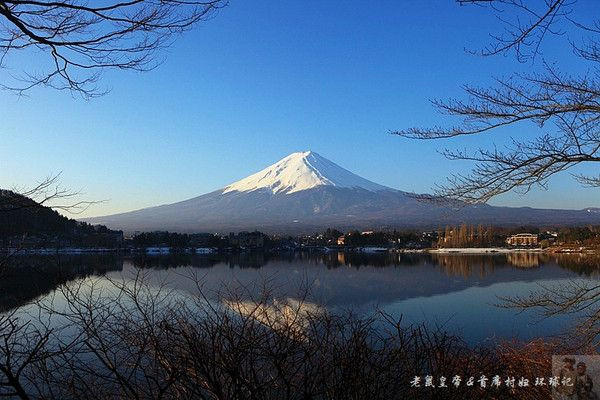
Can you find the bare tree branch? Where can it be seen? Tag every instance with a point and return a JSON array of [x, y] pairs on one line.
[[530, 24], [565, 108], [81, 39], [46, 193], [126, 338]]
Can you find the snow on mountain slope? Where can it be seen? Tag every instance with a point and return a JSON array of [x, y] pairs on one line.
[[302, 171], [304, 192]]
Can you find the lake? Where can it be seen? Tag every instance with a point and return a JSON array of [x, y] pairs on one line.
[[459, 293]]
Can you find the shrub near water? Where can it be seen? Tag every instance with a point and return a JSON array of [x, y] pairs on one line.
[[132, 340]]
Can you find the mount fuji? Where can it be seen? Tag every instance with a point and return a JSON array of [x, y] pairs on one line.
[[304, 192]]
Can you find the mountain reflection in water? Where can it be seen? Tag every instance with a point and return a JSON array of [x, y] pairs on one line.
[[455, 291]]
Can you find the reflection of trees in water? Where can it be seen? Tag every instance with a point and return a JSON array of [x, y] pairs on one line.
[[582, 264], [174, 260], [465, 265], [358, 260], [355, 260], [258, 259], [453, 264], [482, 265], [469, 265], [576, 297], [26, 278], [248, 260]]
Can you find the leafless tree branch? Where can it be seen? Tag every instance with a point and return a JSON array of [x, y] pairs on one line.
[[81, 39], [46, 193], [565, 108], [130, 339]]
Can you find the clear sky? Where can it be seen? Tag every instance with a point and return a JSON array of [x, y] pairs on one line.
[[264, 79]]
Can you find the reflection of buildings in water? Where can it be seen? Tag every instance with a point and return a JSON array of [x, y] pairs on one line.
[[341, 257], [524, 259], [484, 265], [468, 265]]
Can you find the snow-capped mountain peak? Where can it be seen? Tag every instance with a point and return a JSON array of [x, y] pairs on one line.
[[301, 171], [261, 201]]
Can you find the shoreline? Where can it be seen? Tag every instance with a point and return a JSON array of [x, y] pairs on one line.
[[505, 250], [484, 250], [366, 250]]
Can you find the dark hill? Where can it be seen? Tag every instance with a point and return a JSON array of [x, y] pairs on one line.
[[25, 222]]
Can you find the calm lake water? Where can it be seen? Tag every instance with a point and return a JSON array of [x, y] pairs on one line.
[[459, 293]]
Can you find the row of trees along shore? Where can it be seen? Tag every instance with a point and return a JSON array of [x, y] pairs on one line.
[[467, 236]]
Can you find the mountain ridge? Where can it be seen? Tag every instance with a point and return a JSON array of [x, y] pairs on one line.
[[304, 192]]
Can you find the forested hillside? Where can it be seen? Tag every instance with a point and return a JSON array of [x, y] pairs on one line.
[[27, 223]]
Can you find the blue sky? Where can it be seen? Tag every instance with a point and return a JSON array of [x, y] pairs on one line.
[[264, 79]]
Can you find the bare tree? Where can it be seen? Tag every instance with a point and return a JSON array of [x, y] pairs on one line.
[[574, 298], [47, 193], [565, 109], [80, 39]]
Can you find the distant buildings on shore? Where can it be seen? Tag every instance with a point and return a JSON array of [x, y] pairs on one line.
[[523, 240]]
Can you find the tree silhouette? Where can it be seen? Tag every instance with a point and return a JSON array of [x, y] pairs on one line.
[[79, 39], [565, 107]]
